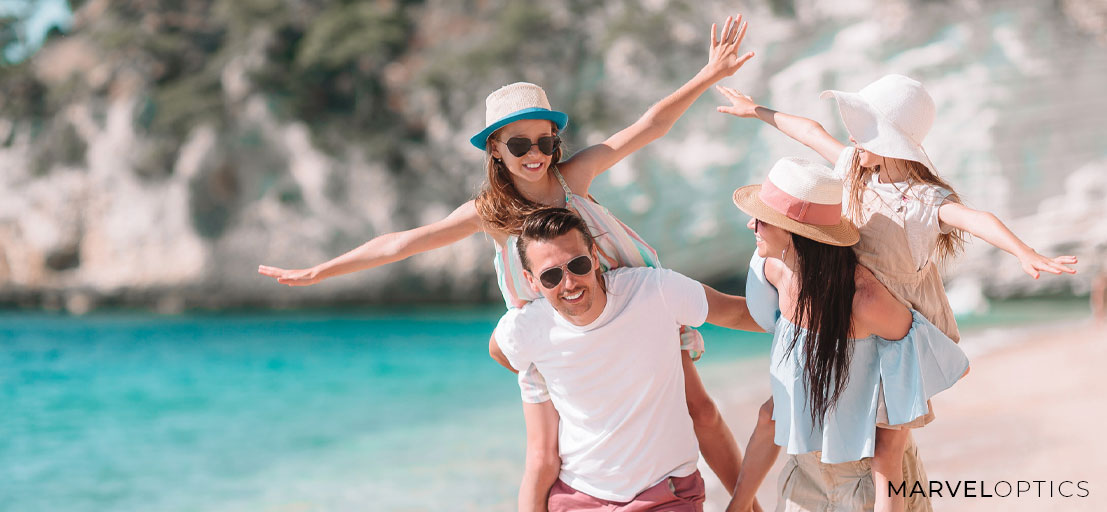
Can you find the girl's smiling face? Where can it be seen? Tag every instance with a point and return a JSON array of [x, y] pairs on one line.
[[533, 164]]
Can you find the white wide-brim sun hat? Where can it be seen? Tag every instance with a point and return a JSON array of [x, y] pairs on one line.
[[889, 117], [513, 102], [800, 197]]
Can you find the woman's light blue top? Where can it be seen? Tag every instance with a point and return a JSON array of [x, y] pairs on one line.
[[761, 296], [912, 370]]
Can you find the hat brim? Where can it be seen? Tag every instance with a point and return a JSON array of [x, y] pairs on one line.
[[842, 234], [874, 132], [480, 140]]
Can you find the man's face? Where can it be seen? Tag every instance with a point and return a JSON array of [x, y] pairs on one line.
[[579, 298]]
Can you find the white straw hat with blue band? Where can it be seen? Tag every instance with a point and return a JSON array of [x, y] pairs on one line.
[[510, 103]]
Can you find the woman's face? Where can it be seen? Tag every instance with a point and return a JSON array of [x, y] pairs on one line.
[[531, 166], [868, 158], [771, 240]]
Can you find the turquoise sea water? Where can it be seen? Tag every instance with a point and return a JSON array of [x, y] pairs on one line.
[[278, 411], [379, 410]]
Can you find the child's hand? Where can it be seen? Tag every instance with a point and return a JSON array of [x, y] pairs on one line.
[[1033, 263], [723, 58], [741, 105], [298, 277]]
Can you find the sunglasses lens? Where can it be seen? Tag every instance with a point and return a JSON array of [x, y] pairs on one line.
[[551, 277], [518, 146], [581, 265], [547, 145]]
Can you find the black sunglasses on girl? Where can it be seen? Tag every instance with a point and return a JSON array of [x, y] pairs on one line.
[[551, 277], [519, 146]]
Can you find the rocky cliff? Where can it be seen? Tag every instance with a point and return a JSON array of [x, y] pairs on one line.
[[158, 151]]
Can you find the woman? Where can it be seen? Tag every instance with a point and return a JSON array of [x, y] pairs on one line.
[[838, 342], [910, 219], [525, 173]]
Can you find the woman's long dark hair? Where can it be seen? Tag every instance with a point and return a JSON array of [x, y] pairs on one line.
[[824, 306]]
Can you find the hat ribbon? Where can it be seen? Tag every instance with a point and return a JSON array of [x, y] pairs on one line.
[[798, 209]]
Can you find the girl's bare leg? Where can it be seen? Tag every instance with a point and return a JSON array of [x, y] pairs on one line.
[[888, 468], [761, 453], [498, 355], [717, 443]]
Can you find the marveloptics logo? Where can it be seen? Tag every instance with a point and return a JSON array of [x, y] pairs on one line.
[[1001, 489]]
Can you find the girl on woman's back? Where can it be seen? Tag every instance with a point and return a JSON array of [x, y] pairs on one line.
[[908, 217]]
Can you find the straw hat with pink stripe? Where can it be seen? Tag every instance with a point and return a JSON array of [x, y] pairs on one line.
[[801, 197]]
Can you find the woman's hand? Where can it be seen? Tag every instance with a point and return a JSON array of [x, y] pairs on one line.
[[740, 104], [723, 57], [297, 277], [1034, 263]]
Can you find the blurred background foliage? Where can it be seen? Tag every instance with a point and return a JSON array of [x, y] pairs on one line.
[[289, 131], [367, 79], [345, 68]]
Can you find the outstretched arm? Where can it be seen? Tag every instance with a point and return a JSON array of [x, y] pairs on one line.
[[384, 249], [807, 131], [988, 227], [729, 311], [723, 61], [543, 462]]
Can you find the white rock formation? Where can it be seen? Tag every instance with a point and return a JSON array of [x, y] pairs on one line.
[[1019, 132]]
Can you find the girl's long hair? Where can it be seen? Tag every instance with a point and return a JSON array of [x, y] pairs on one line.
[[824, 307], [949, 244], [499, 203]]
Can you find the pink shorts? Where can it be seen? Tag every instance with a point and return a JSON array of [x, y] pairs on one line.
[[678, 494]]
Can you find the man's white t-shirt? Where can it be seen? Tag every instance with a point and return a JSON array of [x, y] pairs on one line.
[[617, 383]]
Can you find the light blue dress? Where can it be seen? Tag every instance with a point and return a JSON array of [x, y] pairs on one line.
[[761, 297], [912, 370]]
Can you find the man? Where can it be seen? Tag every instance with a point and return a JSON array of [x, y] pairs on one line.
[[614, 433]]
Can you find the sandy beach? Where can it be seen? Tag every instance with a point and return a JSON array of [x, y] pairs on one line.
[[1032, 409]]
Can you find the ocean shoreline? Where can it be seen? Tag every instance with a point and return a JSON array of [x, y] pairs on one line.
[[411, 386]]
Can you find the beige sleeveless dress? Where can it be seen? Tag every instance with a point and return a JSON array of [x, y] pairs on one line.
[[899, 233], [886, 251]]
